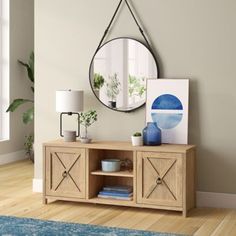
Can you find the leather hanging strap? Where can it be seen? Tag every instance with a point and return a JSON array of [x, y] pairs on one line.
[[139, 27], [112, 19]]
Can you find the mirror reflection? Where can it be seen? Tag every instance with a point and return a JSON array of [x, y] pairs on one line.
[[118, 73]]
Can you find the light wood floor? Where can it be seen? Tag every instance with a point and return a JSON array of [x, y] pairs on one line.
[[17, 199]]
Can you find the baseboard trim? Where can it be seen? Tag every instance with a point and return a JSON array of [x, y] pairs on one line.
[[216, 200], [12, 157], [37, 185], [204, 199]]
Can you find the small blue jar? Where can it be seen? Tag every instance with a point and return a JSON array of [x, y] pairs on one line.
[[151, 135]]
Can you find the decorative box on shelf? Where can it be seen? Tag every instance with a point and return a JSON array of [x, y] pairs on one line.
[[163, 177]]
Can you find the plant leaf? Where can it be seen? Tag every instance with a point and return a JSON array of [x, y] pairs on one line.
[[31, 62], [23, 64], [16, 103], [28, 116], [29, 67]]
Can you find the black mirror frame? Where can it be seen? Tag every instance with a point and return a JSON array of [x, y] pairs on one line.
[[91, 63]]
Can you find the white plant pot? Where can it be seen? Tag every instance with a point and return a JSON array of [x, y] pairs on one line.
[[137, 140]]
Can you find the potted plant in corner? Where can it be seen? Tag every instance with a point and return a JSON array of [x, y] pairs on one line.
[[98, 82], [113, 89], [28, 115], [137, 139], [87, 119]]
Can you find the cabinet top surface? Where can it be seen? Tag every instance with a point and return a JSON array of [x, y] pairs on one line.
[[120, 145]]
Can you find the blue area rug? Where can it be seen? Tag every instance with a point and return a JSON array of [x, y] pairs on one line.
[[13, 226]]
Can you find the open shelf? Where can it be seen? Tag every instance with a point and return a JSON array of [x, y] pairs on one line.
[[98, 178], [124, 173]]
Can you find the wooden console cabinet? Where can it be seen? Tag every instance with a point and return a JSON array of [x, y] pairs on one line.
[[163, 177]]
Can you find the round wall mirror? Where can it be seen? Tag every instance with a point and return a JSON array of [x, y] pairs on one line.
[[118, 73]]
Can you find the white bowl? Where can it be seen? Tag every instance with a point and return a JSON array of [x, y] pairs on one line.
[[111, 165]]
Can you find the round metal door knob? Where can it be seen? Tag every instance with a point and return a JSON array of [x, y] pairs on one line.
[[64, 174], [159, 180]]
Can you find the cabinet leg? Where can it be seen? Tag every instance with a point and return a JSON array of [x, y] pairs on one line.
[[184, 213], [45, 201]]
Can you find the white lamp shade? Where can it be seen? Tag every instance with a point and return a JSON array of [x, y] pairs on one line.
[[69, 100]]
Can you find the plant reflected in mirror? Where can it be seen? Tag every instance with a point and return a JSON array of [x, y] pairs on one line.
[[112, 89], [98, 81], [136, 89]]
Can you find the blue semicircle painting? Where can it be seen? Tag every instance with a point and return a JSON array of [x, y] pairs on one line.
[[167, 111]]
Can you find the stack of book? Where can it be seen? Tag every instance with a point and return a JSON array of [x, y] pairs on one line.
[[117, 192]]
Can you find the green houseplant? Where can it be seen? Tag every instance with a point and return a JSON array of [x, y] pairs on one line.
[[113, 89], [137, 139], [98, 81], [87, 119], [136, 86], [137, 134], [28, 115], [28, 145]]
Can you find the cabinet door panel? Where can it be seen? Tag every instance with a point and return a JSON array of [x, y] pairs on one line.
[[159, 178], [65, 172]]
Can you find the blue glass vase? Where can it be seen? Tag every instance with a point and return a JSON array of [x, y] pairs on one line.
[[151, 135]]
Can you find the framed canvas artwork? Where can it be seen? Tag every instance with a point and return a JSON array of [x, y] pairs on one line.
[[167, 105]]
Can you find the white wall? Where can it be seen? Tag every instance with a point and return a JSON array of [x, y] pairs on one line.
[[193, 39], [21, 44]]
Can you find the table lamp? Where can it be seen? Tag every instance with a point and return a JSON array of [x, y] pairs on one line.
[[69, 102]]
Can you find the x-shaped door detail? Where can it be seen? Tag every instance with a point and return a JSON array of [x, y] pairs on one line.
[[160, 178], [66, 173]]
